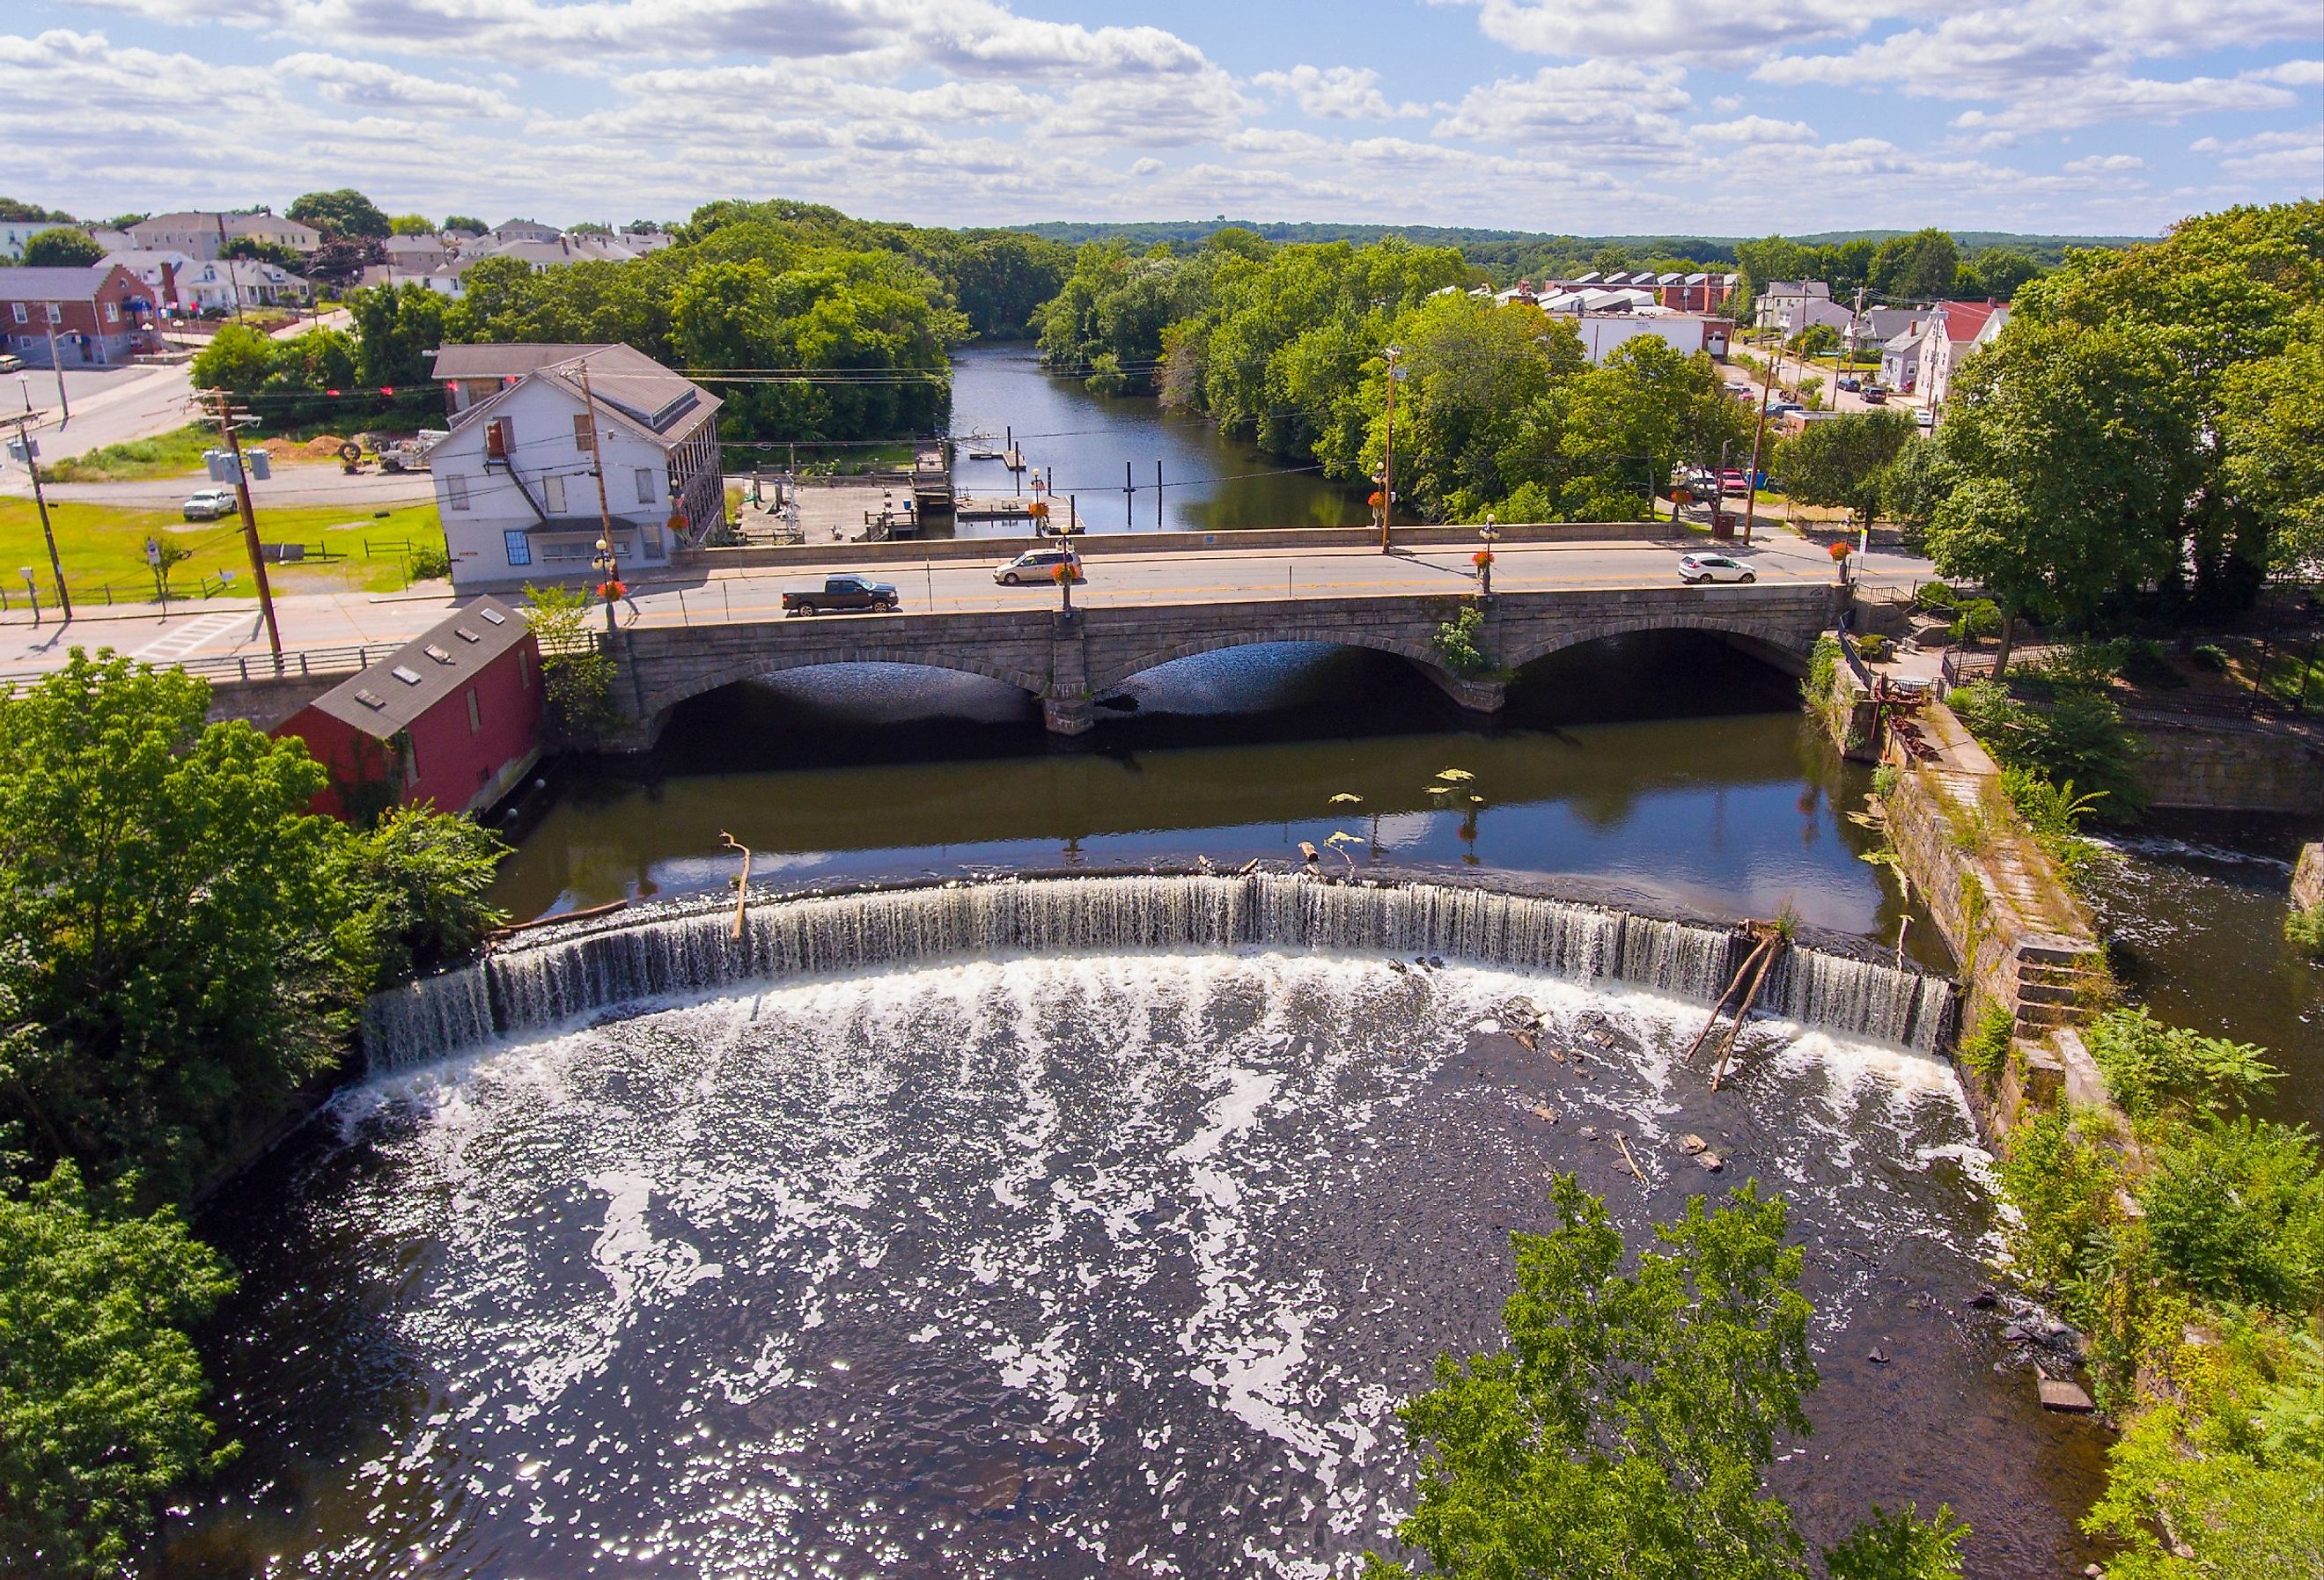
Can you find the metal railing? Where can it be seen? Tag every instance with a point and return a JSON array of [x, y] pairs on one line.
[[297, 663]]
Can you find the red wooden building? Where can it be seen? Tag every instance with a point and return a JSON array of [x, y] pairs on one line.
[[453, 718]]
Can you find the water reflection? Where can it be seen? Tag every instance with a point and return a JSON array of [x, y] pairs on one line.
[[1662, 764], [1095, 445]]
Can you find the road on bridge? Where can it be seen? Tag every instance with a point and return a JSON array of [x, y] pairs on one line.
[[1220, 575]]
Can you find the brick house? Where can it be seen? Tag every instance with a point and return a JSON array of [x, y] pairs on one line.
[[94, 313], [452, 719]]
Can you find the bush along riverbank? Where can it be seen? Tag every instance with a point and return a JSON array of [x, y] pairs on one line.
[[2180, 1239], [187, 949]]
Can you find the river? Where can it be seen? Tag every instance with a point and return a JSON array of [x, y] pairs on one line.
[[1093, 446], [1118, 1261]]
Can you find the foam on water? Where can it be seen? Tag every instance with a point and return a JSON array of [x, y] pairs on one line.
[[1028, 1266]]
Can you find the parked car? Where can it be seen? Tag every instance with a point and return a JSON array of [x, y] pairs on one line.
[[1039, 564], [1694, 570], [11, 363], [207, 504], [1732, 481], [1874, 395], [844, 594], [1852, 383], [1925, 418]]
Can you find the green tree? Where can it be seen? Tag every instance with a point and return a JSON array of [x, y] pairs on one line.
[[395, 327], [411, 224], [19, 212], [2077, 459], [339, 214], [100, 1389], [467, 222], [1899, 1547], [264, 252], [1918, 267], [1844, 459], [61, 248], [416, 891], [238, 358], [2272, 425], [1996, 273], [576, 674], [1623, 1427]]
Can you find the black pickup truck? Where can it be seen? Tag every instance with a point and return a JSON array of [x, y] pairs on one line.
[[844, 594]]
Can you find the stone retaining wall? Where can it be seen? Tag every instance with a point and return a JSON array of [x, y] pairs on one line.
[[2308, 879], [2260, 768]]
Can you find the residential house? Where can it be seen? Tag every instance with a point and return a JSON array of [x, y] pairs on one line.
[[557, 250], [1900, 358], [159, 272], [89, 315], [202, 236], [452, 719], [1953, 330], [15, 232], [534, 469], [223, 284], [1802, 303]]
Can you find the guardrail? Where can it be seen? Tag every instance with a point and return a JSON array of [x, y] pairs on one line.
[[298, 663]]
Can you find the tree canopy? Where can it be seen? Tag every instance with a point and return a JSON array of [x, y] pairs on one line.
[[100, 1389], [17, 211], [339, 214], [2143, 425], [1623, 1427], [61, 248], [1844, 459]]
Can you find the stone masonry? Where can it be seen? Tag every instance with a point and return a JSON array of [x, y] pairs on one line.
[[1068, 661]]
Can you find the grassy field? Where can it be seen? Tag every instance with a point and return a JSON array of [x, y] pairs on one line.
[[162, 455], [104, 546]]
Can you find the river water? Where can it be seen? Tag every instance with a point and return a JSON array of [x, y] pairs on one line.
[[1095, 446], [1116, 1263]]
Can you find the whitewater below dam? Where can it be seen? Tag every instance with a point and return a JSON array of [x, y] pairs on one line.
[[1104, 1258]]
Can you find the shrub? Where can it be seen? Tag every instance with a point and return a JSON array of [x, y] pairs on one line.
[[2063, 1186], [1823, 665], [1934, 594], [2054, 814], [2077, 739], [430, 562], [1456, 642], [2145, 663], [1885, 781], [1976, 620], [2211, 656], [2235, 1210], [576, 674], [2152, 1069], [1871, 645], [1986, 1050], [2305, 929]]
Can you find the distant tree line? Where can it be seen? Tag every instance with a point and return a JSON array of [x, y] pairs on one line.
[[1498, 407]]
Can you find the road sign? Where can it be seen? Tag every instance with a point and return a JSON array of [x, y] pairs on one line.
[[153, 553]]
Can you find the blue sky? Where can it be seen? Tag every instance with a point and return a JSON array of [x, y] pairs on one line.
[[1715, 117]]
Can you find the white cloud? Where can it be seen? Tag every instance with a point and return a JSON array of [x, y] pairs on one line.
[[2292, 156], [2293, 73], [1605, 109], [1336, 93], [1695, 32], [2104, 164], [369, 84], [1756, 129]]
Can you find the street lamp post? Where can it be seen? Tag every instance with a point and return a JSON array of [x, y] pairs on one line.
[[1393, 356], [609, 566], [1489, 531]]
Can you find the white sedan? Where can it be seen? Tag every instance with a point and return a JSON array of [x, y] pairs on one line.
[[1694, 570]]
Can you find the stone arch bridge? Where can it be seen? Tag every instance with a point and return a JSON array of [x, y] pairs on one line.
[[1068, 662]]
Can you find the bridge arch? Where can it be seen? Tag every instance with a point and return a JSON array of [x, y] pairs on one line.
[[1120, 671], [776, 661], [1774, 644]]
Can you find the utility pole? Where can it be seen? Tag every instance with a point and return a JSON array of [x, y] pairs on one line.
[[605, 510], [249, 521], [1388, 450], [1759, 431], [24, 443], [57, 365]]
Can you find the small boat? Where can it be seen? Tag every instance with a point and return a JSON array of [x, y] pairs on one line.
[[985, 455]]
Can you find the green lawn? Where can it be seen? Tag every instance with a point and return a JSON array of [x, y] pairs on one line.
[[104, 545], [164, 456]]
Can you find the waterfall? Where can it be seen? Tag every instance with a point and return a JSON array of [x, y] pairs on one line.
[[543, 980]]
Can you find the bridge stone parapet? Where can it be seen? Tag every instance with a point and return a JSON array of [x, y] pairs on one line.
[[1067, 661]]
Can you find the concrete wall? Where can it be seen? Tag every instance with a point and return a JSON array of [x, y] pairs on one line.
[[2229, 768], [268, 702]]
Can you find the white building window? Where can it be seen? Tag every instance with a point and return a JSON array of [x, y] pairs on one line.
[[520, 548], [56, 312], [112, 312], [645, 485], [22, 316], [455, 493], [553, 489]]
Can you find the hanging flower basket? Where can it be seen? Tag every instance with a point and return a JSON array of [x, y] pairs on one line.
[[1481, 558], [1377, 499], [1064, 571], [610, 590], [1840, 551]]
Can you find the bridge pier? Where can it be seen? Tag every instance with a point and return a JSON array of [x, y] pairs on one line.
[[1482, 694]]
